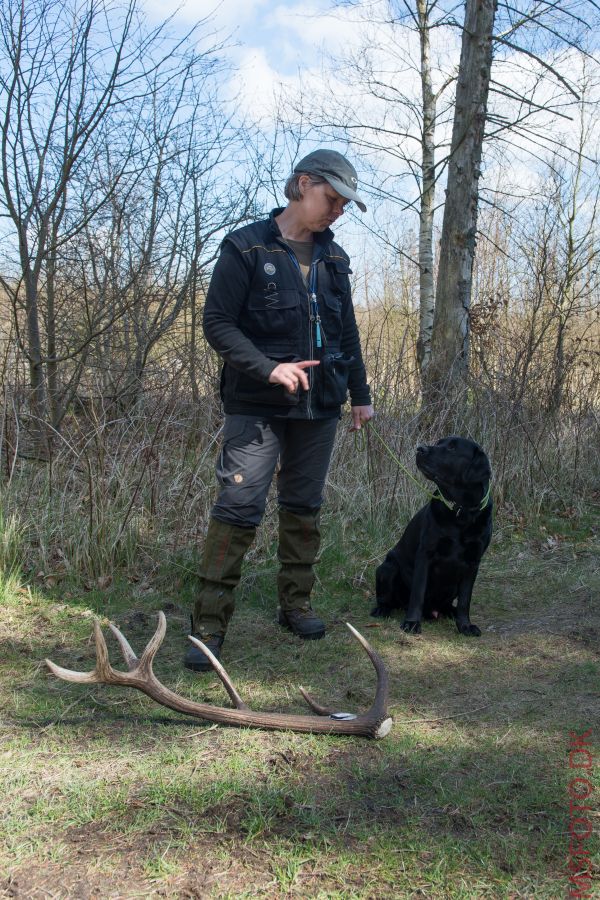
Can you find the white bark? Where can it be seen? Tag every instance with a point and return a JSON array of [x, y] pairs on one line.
[[426, 280]]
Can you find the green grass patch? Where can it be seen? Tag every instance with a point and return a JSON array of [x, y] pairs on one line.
[[467, 797]]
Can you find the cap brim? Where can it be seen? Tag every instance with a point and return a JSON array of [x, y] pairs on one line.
[[345, 191]]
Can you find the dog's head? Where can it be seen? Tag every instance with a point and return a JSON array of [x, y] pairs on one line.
[[458, 466]]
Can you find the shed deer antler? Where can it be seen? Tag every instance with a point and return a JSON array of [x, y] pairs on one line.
[[373, 723]]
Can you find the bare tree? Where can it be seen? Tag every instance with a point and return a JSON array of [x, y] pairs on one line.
[[559, 248], [161, 234], [87, 94], [534, 322], [427, 210], [450, 349], [530, 90], [450, 340], [399, 109]]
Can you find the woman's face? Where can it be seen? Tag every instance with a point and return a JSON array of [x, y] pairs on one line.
[[320, 205]]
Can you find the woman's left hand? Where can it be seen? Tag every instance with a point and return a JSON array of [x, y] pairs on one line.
[[360, 416]]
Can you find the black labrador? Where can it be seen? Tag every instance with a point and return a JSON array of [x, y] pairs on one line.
[[437, 558]]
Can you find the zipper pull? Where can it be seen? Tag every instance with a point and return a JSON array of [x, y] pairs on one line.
[[317, 319]]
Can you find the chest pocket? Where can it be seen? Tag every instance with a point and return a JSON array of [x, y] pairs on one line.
[[272, 311], [333, 291]]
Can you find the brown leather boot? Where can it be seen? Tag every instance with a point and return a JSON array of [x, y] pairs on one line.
[[303, 622]]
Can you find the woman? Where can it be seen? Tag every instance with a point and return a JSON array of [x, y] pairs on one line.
[[279, 312]]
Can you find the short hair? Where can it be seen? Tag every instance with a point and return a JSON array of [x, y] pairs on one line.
[[292, 186]]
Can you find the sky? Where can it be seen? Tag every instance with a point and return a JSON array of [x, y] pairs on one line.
[[271, 44], [268, 42], [268, 46]]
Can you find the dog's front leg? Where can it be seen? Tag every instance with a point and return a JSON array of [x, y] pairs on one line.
[[414, 612], [463, 607]]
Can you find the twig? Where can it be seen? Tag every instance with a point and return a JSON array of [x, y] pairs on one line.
[[441, 718]]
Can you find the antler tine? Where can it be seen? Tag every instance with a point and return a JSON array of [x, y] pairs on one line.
[[381, 690], [103, 670], [316, 707], [126, 649], [227, 682], [71, 675], [154, 643], [363, 641]]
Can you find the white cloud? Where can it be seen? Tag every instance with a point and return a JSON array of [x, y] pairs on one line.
[[226, 16], [282, 47]]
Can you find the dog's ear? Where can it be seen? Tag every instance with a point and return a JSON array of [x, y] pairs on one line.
[[480, 469]]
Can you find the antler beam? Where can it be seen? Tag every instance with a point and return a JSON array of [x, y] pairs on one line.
[[374, 723]]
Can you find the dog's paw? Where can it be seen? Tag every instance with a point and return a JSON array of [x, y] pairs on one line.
[[411, 627], [381, 612], [468, 629]]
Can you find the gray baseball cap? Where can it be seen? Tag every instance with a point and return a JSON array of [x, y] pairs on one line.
[[336, 169]]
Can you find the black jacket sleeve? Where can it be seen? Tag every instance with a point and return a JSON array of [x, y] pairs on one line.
[[360, 394], [227, 292]]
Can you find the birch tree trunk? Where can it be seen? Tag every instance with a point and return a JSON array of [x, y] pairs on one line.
[[450, 339], [37, 381], [426, 285]]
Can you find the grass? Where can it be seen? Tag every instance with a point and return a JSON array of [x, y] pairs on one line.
[[107, 795]]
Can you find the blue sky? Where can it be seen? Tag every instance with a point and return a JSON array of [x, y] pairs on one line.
[[280, 36], [271, 43]]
